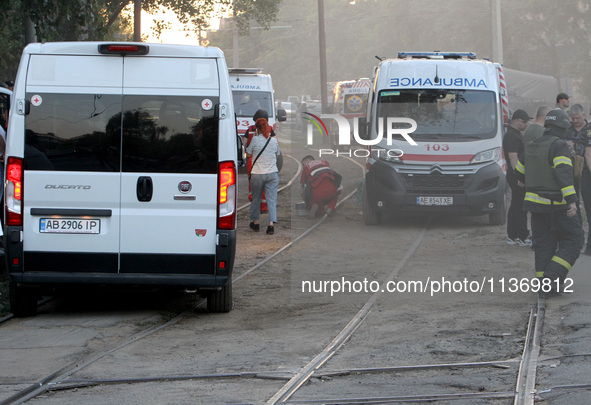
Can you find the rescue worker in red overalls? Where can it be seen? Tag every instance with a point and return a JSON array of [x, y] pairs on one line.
[[321, 186], [250, 132]]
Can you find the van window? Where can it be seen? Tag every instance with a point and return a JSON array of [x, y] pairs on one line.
[[86, 132], [73, 132], [169, 134], [246, 103], [4, 109], [440, 113]]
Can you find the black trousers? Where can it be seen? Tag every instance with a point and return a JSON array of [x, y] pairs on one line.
[[558, 240], [516, 217], [586, 194]]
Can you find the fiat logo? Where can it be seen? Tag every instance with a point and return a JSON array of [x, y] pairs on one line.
[[185, 186]]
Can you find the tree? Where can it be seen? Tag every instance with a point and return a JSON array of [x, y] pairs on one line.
[[555, 38], [540, 36], [95, 20]]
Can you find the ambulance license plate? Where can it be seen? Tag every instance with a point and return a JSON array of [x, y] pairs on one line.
[[69, 225], [440, 201]]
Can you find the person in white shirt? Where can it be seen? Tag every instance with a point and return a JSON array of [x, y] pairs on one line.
[[264, 174]]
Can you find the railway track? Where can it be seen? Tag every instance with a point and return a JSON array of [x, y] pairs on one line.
[[316, 368], [61, 379]]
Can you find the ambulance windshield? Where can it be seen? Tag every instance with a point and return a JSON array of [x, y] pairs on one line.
[[443, 113], [246, 103]]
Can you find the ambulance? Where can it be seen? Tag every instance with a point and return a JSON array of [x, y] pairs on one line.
[[349, 101], [253, 90], [121, 170], [452, 161]]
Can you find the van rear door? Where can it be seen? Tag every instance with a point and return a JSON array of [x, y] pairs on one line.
[[169, 165], [72, 164]]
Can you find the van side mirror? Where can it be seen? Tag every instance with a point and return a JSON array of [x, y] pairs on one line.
[[281, 115], [241, 152], [363, 126]]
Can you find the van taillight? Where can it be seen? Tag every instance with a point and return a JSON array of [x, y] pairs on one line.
[[123, 49], [14, 192], [227, 195]]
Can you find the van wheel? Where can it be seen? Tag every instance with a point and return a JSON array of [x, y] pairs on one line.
[[23, 300], [370, 215], [220, 300], [499, 217]]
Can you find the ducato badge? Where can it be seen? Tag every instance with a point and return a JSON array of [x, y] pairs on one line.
[[185, 187]]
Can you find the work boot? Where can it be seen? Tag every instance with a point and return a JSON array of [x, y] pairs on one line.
[[313, 210]]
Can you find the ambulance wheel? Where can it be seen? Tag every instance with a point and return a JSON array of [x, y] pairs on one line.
[[499, 217], [220, 300], [23, 300], [370, 215]]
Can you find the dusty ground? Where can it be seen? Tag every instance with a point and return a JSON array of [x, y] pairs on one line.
[[275, 329]]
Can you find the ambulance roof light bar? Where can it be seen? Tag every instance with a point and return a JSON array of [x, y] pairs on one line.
[[245, 71], [436, 55]]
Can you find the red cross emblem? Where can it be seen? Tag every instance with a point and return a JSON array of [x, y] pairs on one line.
[[206, 104], [36, 100]]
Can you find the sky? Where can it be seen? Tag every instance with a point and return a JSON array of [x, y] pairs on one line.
[[175, 35]]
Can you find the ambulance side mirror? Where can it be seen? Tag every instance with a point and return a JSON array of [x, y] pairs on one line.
[[363, 126], [281, 115]]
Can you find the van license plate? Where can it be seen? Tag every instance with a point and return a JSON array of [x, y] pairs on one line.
[[69, 225], [441, 201]]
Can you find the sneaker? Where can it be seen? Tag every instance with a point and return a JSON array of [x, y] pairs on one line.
[[270, 230], [527, 242], [517, 241], [329, 212], [255, 227]]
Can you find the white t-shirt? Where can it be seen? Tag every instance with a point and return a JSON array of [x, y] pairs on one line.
[[267, 162]]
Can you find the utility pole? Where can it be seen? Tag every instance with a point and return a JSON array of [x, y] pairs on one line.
[[322, 46], [235, 51], [137, 21], [30, 35], [497, 33]]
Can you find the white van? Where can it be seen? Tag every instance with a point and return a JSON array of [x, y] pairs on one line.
[[459, 104], [252, 90], [121, 169]]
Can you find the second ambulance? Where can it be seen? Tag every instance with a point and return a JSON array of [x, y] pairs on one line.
[[459, 104]]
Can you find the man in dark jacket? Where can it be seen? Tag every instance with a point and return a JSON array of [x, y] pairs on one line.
[[513, 146], [547, 172]]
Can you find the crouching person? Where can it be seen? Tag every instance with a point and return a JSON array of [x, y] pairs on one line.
[[321, 186]]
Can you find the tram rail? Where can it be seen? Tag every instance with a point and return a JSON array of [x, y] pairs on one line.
[[523, 393]]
